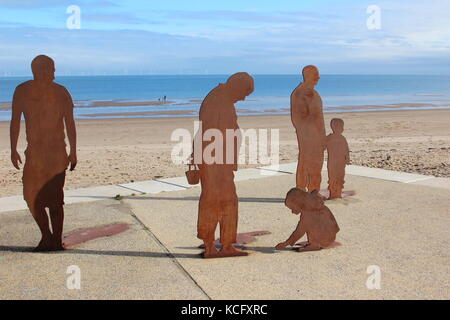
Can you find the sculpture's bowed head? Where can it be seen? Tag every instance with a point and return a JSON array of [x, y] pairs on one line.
[[43, 68], [298, 200], [241, 85]]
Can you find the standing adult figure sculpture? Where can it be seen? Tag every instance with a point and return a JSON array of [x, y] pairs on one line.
[[47, 107], [307, 118], [218, 203]]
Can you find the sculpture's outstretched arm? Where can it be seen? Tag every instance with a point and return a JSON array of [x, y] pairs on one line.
[[298, 233]]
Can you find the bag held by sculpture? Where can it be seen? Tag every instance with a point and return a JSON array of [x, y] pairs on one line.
[[193, 175]]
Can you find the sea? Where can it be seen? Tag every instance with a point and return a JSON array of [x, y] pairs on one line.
[[340, 93]]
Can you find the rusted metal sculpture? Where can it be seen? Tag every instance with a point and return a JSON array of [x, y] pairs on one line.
[[47, 107], [307, 118], [338, 158], [216, 157], [316, 221]]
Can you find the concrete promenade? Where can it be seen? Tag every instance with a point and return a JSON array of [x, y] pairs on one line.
[[144, 245]]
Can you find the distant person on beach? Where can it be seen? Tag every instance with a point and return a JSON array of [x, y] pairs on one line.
[[338, 158], [47, 107], [316, 221], [307, 118], [218, 200]]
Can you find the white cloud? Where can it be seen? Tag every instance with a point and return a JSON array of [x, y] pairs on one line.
[[261, 42]]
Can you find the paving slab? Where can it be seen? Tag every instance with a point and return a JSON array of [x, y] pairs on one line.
[[15, 203], [128, 265], [151, 187], [254, 173], [94, 193], [177, 182], [401, 228], [12, 203], [385, 174], [282, 167], [443, 183]]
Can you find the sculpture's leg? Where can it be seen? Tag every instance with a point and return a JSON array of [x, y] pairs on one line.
[[57, 218], [210, 249], [206, 225], [228, 228], [336, 183], [315, 180], [40, 216], [315, 172], [301, 177], [335, 193]]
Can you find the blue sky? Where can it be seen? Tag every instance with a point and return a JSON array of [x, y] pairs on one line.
[[222, 37]]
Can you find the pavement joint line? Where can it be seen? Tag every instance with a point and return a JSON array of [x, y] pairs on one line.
[[167, 251], [273, 170], [130, 189], [373, 174], [172, 184], [421, 179]]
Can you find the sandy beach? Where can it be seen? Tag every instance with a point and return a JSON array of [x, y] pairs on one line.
[[112, 151]]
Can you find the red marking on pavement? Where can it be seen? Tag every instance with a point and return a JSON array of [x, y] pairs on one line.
[[246, 238], [84, 235]]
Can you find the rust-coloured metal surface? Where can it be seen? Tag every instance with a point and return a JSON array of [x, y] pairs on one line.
[[338, 157], [316, 221], [308, 121], [47, 108], [216, 154]]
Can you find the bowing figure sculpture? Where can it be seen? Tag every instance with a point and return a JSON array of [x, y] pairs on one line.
[[218, 203]]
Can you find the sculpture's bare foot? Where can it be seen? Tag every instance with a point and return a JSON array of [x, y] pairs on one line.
[[58, 247], [302, 244], [44, 245], [309, 247], [335, 195], [57, 244], [210, 252], [230, 251]]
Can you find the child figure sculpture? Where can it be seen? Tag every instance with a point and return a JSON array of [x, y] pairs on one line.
[[316, 221], [338, 158]]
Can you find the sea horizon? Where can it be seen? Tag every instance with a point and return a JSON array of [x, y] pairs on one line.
[[124, 96]]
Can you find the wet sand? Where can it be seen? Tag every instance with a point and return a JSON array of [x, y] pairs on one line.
[[104, 103], [112, 151]]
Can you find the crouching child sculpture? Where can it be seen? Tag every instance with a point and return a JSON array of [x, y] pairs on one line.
[[316, 221]]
